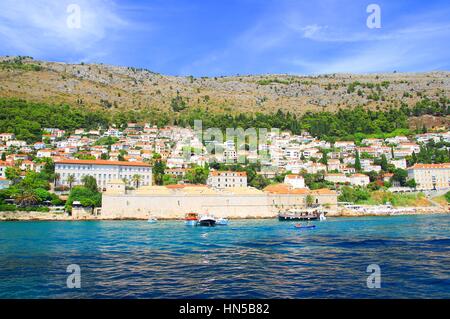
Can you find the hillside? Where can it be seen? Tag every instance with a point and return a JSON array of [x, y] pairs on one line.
[[125, 88]]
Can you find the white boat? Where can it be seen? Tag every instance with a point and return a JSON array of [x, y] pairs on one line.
[[207, 221], [222, 222], [152, 220], [322, 217]]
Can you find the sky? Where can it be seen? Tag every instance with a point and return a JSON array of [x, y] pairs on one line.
[[229, 37]]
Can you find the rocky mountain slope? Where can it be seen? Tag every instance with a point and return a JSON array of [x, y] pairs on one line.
[[126, 88]]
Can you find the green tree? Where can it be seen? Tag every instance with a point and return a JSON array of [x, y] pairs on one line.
[[357, 162], [26, 198], [411, 183], [87, 197], [90, 183], [400, 176], [447, 197], [137, 180], [260, 182], [56, 179], [13, 174], [70, 180], [197, 175], [158, 171], [324, 159], [309, 200], [384, 163]]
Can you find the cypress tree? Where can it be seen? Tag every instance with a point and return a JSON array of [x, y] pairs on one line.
[[357, 162]]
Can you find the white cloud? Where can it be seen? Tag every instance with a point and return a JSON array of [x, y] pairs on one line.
[[40, 27]]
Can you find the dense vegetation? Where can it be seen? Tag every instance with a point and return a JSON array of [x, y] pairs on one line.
[[346, 124], [31, 192], [364, 196], [431, 153], [27, 119], [87, 194]]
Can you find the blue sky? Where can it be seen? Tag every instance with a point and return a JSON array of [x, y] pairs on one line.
[[227, 37]]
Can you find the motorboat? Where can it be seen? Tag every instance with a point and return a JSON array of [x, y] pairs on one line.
[[152, 220], [298, 215], [207, 221], [222, 222], [322, 217], [191, 219]]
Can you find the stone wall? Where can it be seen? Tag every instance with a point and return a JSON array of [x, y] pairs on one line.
[[174, 206]]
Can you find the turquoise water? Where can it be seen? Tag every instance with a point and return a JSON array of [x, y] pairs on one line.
[[248, 259]]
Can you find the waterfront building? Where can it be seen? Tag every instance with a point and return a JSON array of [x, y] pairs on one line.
[[103, 171], [228, 179], [430, 176]]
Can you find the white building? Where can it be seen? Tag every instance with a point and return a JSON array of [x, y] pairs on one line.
[[314, 168], [355, 179], [227, 179], [399, 163], [430, 176], [16, 143], [103, 171], [296, 181], [336, 178], [359, 180], [345, 145], [7, 137]]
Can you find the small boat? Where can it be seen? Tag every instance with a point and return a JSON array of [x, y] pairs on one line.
[[207, 221], [322, 217], [191, 219], [222, 222], [299, 226], [152, 220], [298, 215]]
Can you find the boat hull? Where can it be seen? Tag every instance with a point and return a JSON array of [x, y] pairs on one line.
[[207, 223], [191, 222]]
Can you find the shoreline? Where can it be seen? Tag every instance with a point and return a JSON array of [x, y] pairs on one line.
[[40, 216]]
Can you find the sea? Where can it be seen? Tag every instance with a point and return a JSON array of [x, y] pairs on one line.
[[364, 257]]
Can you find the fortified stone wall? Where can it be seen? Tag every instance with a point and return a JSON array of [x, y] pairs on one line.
[[174, 206]]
